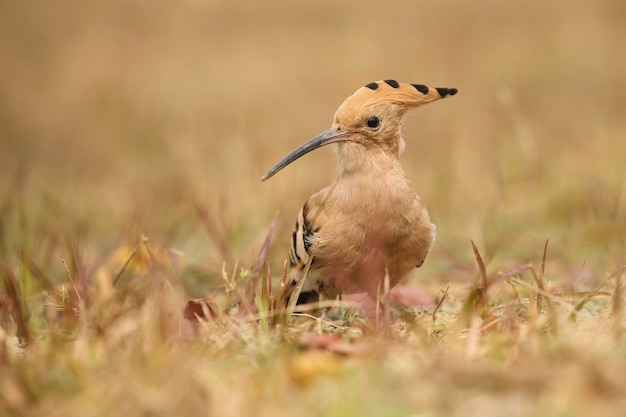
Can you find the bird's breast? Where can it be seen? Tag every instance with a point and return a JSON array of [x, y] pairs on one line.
[[371, 226]]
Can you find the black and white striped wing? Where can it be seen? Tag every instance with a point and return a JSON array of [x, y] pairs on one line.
[[303, 239]]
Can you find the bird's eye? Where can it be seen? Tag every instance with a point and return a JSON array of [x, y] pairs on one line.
[[373, 122]]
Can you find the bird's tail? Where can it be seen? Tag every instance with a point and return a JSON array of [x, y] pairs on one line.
[[307, 293]]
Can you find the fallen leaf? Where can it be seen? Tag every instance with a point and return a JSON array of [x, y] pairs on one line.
[[200, 309]]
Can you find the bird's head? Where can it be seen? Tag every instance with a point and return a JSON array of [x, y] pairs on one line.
[[371, 117]]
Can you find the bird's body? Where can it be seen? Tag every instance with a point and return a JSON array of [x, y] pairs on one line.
[[360, 225], [369, 222]]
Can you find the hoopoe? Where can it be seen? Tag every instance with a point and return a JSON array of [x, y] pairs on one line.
[[369, 222]]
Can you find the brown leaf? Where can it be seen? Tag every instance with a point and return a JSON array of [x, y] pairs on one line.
[[200, 309]]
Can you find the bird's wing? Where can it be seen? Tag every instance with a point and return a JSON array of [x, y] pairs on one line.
[[305, 235]]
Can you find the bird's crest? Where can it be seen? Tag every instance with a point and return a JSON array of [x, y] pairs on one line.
[[393, 92]]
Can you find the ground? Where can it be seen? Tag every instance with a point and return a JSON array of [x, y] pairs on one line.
[[132, 141]]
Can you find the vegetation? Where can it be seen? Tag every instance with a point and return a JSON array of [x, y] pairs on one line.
[[138, 246]]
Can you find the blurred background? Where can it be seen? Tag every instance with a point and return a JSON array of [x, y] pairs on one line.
[[124, 118]]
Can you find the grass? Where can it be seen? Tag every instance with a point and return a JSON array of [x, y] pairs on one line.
[[132, 141]]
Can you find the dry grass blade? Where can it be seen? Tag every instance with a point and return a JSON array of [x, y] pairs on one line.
[[270, 290], [386, 306], [477, 298], [586, 297], [280, 300], [9, 201], [541, 279], [142, 241], [69, 277], [440, 302], [258, 265], [262, 299], [563, 303], [481, 265], [617, 304], [18, 308], [510, 273], [121, 271], [80, 280], [35, 270]]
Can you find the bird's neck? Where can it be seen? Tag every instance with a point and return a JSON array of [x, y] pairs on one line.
[[355, 158]]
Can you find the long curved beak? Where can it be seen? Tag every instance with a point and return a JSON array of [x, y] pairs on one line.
[[331, 135]]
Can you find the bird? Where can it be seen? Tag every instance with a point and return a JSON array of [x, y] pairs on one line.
[[368, 223]]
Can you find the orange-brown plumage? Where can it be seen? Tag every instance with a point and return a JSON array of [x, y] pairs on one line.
[[369, 220]]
